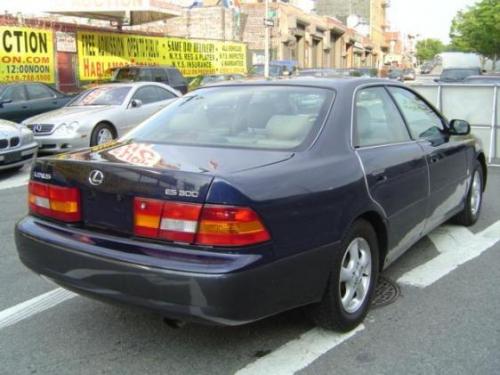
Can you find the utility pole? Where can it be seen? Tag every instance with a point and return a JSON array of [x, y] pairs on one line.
[[266, 39]]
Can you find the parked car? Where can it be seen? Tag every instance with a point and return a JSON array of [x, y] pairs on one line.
[[426, 68], [99, 115], [396, 74], [409, 74], [17, 146], [212, 78], [243, 200], [169, 75], [21, 100], [291, 66], [365, 72], [457, 75], [483, 79], [275, 70]]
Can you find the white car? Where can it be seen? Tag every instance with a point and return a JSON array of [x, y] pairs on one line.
[[17, 146], [99, 115]]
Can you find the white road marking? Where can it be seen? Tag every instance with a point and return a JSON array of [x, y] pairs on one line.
[[456, 245], [21, 178], [299, 353], [25, 309]]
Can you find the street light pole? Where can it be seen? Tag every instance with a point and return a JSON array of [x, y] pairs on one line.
[[266, 40]]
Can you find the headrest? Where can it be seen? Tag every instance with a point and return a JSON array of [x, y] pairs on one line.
[[288, 127]]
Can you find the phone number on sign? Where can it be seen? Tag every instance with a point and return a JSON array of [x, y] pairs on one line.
[[27, 77]]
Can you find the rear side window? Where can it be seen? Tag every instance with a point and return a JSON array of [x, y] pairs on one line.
[[147, 94], [144, 75], [15, 93], [159, 75], [175, 77], [163, 94], [268, 117], [36, 91], [421, 119], [377, 119]]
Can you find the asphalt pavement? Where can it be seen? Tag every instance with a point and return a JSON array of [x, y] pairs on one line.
[[445, 320]]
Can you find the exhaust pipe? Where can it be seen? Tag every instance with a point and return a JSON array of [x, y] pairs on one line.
[[174, 323]]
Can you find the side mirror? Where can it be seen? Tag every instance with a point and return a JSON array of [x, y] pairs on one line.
[[4, 101], [135, 103], [459, 127], [436, 80]]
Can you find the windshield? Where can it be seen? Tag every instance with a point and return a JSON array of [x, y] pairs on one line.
[[125, 74], [268, 117], [274, 70], [458, 74], [106, 95]]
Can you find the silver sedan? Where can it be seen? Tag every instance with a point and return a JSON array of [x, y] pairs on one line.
[[99, 115], [17, 146]]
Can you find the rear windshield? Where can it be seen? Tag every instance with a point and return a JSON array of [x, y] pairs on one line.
[[267, 117]]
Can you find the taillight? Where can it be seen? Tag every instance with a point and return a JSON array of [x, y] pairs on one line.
[[230, 226], [209, 225], [61, 203]]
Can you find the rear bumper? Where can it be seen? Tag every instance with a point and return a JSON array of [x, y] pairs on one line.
[[227, 289]]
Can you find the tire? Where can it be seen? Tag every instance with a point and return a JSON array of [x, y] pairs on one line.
[[469, 215], [334, 314], [99, 134]]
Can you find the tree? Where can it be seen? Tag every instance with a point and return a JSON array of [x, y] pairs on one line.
[[477, 29], [428, 48]]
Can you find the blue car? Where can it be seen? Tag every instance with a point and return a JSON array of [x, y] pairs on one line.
[[242, 200]]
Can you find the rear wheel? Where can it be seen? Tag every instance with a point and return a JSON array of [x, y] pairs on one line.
[[469, 215], [352, 280], [102, 133]]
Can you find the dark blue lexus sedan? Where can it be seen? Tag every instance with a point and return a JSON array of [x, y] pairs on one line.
[[243, 200]]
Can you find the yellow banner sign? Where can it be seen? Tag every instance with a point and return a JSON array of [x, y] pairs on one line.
[[26, 54], [99, 52]]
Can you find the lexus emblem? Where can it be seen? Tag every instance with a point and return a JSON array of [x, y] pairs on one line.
[[96, 177], [37, 128]]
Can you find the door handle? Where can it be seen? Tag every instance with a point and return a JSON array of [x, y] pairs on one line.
[[24, 107], [435, 159], [380, 176]]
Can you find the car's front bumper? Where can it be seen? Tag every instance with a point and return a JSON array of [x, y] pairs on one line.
[[18, 156], [55, 144], [203, 286]]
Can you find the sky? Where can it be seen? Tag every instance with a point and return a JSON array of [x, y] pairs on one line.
[[429, 18]]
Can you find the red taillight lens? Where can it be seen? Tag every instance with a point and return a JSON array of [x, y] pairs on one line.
[[179, 221], [61, 203], [209, 225], [147, 216], [230, 226]]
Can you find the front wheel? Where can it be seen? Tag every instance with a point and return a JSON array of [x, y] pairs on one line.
[[352, 280], [102, 133], [469, 215]]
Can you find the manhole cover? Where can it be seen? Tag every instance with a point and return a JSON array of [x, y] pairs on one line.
[[386, 292]]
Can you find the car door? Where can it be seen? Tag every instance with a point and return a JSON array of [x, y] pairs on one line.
[[446, 155], [151, 100], [15, 105], [42, 98], [395, 168]]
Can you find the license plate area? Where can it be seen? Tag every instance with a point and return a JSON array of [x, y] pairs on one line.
[[107, 211], [12, 157]]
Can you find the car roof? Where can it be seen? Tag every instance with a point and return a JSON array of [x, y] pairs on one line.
[[337, 83], [132, 84]]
